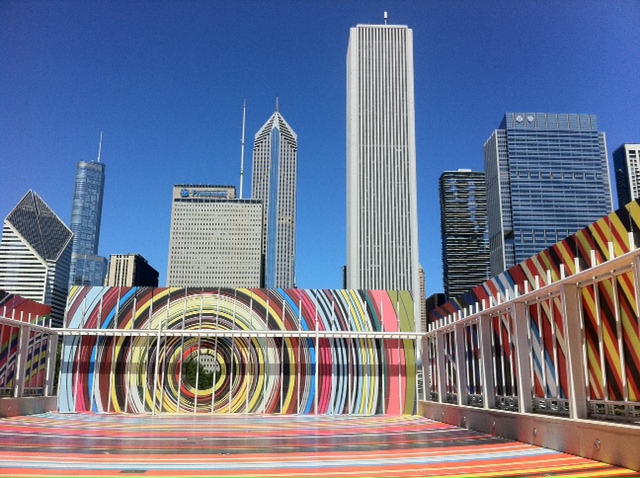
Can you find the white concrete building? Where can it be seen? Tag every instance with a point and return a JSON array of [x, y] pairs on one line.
[[35, 255], [216, 240], [382, 207]]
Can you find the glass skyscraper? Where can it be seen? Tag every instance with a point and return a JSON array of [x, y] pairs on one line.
[[87, 268], [35, 255], [382, 207], [547, 178], [463, 226], [275, 170], [626, 162]]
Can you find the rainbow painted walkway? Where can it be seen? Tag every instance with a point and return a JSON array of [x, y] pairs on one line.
[[270, 446]]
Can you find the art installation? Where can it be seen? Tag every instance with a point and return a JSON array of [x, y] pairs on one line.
[[293, 351], [608, 311], [23, 310]]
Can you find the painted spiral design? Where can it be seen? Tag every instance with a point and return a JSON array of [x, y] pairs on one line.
[[249, 373]]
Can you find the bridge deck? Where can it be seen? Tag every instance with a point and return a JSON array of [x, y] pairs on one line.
[[271, 445]]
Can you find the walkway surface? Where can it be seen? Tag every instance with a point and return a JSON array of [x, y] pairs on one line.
[[270, 446]]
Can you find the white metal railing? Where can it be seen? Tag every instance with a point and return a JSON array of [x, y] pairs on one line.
[[27, 358], [570, 348]]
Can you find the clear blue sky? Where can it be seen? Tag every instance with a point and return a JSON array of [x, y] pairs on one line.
[[165, 81]]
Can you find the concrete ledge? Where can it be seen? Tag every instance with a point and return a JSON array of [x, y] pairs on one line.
[[608, 442], [14, 407]]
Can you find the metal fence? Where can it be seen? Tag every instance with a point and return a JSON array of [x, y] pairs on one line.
[[27, 356], [569, 348]]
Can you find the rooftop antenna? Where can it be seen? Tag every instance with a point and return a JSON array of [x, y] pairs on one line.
[[244, 116], [386, 18], [277, 105], [100, 147]]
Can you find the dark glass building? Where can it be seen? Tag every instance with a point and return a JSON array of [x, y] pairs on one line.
[[626, 163], [547, 178], [87, 268], [463, 225]]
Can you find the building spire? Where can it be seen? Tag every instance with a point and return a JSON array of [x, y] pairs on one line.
[[277, 105], [100, 147], [244, 115]]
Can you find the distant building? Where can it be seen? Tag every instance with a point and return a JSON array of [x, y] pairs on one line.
[[626, 162], [433, 302], [547, 178], [463, 227], [130, 270], [382, 206], [216, 239], [87, 267], [35, 255], [275, 171]]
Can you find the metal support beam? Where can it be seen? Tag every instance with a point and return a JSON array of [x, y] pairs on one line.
[[523, 356], [575, 355]]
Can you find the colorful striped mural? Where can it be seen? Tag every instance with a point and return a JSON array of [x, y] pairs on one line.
[[145, 369], [24, 310], [608, 313]]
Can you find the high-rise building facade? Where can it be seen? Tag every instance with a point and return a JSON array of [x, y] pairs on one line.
[[382, 207], [216, 239], [87, 268], [463, 226], [626, 163], [35, 255], [275, 171], [131, 270], [547, 177]]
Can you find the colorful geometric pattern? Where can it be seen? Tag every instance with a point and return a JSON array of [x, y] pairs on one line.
[[24, 310], [143, 370], [275, 446], [609, 311]]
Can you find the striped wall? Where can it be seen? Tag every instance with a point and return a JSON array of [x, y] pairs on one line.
[[143, 368], [608, 311], [34, 345]]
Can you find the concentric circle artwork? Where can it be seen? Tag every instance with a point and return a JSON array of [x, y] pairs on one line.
[[294, 351]]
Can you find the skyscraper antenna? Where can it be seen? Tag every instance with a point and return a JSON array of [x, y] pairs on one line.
[[100, 147], [244, 115], [386, 17], [277, 105]]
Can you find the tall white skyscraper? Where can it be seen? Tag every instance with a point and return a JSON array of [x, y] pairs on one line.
[[275, 172], [382, 208], [35, 255]]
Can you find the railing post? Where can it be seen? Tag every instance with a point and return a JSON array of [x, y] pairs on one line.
[[440, 365], [486, 352], [462, 365], [575, 356], [21, 362], [523, 357], [50, 370]]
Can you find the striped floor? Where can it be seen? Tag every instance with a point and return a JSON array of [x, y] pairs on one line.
[[270, 446]]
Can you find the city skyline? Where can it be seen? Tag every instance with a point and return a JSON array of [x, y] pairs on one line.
[[168, 89]]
